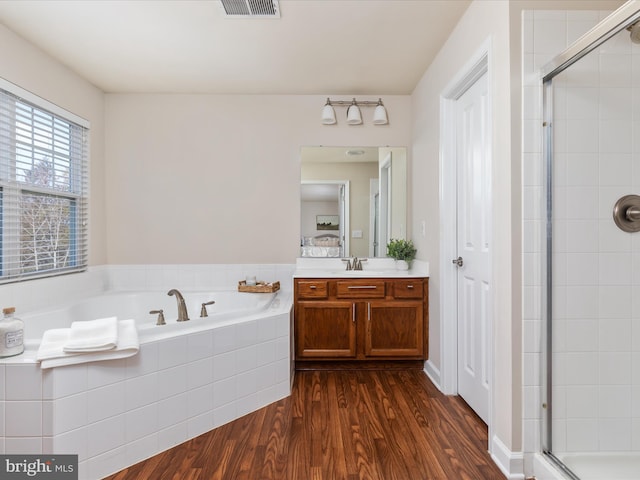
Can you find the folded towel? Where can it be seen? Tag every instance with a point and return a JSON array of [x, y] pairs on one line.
[[51, 352], [93, 335]]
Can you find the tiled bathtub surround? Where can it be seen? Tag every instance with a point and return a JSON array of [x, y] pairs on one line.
[[596, 319], [115, 413]]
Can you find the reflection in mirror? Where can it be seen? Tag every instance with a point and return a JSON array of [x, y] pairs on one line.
[[353, 200]]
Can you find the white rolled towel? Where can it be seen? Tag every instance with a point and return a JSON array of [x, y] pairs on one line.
[[93, 335]]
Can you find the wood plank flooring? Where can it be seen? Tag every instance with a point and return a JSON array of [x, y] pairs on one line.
[[338, 425]]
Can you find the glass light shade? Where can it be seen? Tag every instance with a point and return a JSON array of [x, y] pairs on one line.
[[354, 117], [328, 115], [380, 115]]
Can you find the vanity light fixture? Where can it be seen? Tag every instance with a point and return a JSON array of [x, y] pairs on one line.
[[354, 115], [328, 114], [380, 114]]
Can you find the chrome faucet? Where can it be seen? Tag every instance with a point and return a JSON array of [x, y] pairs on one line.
[[183, 316]]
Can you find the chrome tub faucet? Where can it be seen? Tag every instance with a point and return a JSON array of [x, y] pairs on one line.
[[183, 316]]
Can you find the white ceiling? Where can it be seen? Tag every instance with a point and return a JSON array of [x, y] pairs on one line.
[[328, 47], [339, 154]]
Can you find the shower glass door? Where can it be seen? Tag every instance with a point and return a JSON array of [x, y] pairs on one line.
[[592, 113]]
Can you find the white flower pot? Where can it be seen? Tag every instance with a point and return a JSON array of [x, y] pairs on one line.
[[402, 265]]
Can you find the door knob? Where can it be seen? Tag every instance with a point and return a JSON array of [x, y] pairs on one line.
[[458, 261]]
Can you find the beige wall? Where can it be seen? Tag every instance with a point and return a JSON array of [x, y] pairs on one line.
[[485, 20], [33, 70], [216, 178], [194, 178]]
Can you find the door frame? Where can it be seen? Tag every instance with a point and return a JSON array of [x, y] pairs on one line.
[[343, 202], [374, 217], [384, 200], [478, 64]]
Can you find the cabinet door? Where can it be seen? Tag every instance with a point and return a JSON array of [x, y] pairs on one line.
[[326, 329], [394, 329]]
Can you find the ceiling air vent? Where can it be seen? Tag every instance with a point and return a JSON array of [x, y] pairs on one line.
[[251, 8]]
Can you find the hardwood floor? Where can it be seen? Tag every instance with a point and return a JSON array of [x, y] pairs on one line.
[[348, 425]]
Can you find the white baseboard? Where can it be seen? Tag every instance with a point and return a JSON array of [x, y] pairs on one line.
[[510, 463], [433, 373]]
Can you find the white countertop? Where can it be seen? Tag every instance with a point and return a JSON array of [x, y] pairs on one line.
[[372, 268]]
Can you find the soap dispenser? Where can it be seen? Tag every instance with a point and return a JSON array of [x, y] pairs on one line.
[[11, 334]]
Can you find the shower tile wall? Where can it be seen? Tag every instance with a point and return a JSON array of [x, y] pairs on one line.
[[596, 296]]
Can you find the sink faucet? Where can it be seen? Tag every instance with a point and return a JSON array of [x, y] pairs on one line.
[[355, 263], [183, 316]]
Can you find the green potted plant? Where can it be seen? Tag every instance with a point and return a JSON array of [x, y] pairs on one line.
[[403, 251]]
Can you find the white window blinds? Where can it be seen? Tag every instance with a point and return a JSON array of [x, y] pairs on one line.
[[43, 191]]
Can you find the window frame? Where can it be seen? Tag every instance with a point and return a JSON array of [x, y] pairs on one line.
[[12, 189]]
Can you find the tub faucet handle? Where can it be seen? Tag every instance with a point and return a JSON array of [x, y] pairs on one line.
[[203, 310], [160, 314]]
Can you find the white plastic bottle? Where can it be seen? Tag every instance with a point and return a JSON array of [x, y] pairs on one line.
[[11, 334]]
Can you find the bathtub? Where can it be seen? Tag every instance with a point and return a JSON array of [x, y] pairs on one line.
[[187, 378], [229, 307]]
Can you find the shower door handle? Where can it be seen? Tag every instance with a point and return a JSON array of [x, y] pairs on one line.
[[458, 261]]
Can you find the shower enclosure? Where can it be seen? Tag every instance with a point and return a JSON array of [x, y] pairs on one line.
[[591, 346]]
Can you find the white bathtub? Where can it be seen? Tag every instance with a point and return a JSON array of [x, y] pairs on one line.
[[187, 378], [229, 306]]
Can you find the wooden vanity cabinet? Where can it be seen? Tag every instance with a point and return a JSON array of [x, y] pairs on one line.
[[361, 319]]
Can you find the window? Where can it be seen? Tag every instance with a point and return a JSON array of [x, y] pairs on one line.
[[43, 188]]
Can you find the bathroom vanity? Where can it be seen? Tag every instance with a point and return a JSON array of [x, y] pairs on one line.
[[360, 318]]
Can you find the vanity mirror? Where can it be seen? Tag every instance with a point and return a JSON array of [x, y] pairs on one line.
[[363, 189]]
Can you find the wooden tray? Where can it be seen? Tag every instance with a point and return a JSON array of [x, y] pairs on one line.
[[260, 287]]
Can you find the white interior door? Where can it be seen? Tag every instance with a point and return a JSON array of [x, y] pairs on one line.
[[473, 247]]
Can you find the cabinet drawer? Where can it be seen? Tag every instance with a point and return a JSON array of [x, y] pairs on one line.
[[407, 289], [360, 289], [313, 289]]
